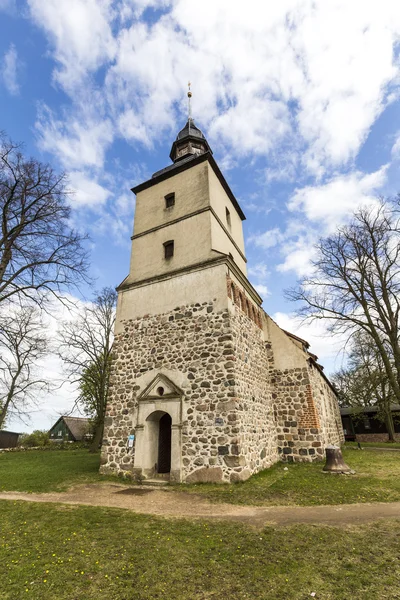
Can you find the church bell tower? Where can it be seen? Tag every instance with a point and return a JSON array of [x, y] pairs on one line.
[[193, 392], [173, 372]]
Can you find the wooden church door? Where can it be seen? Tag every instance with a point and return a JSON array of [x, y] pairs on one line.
[[164, 444]]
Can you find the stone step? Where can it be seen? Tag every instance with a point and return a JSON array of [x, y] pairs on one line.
[[155, 482], [161, 476]]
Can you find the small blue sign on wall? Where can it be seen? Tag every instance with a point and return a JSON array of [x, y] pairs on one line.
[[131, 439]]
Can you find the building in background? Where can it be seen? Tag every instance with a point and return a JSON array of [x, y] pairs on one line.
[[363, 425], [71, 429], [205, 386], [8, 439]]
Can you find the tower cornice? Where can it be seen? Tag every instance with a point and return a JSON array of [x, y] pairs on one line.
[[179, 167]]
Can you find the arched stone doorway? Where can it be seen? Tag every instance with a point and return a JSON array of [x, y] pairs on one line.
[[157, 435], [158, 447]]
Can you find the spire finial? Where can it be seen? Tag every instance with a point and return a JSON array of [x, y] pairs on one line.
[[189, 94]]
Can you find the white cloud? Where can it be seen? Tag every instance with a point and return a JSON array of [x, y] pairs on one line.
[[259, 270], [299, 255], [86, 192], [124, 205], [347, 49], [80, 33], [316, 211], [331, 203], [132, 127], [396, 148], [258, 275], [269, 125], [262, 290], [129, 9], [299, 82], [268, 239], [298, 79], [78, 141], [9, 70]]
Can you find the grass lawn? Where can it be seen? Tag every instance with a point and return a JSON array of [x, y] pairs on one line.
[[45, 470], [377, 479], [385, 445], [75, 553]]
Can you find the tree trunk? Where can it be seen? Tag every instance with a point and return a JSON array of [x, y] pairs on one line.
[[3, 412], [2, 416], [387, 411], [98, 436], [389, 424]]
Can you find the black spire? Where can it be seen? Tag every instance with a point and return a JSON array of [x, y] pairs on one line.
[[190, 140]]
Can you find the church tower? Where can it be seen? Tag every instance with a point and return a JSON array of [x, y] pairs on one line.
[[194, 393]]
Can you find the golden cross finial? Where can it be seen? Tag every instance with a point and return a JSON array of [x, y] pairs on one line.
[[189, 100]]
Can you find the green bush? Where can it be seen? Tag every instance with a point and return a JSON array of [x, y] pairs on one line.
[[36, 439]]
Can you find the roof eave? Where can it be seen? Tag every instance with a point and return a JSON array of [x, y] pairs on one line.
[[180, 168]]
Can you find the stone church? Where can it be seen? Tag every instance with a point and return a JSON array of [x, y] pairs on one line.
[[205, 386]]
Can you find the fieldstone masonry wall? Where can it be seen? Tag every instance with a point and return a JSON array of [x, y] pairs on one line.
[[223, 397], [239, 413], [327, 406], [257, 430], [298, 436]]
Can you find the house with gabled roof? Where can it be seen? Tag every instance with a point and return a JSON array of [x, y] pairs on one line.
[[72, 429]]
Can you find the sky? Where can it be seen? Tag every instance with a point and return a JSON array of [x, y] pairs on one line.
[[299, 101]]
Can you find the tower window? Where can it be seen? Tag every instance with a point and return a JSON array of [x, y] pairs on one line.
[[169, 249], [169, 200], [228, 217]]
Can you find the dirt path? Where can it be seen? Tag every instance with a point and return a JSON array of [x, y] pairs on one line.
[[183, 505]]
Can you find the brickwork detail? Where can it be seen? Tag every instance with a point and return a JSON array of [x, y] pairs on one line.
[[309, 418], [327, 406], [238, 298]]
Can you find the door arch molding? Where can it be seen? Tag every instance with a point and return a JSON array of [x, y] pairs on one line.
[[153, 403]]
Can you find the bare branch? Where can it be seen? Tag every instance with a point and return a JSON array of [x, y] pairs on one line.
[[39, 252], [85, 347], [355, 284], [22, 345]]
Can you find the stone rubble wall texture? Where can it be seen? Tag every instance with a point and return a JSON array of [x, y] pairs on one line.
[[327, 407], [240, 414], [307, 414]]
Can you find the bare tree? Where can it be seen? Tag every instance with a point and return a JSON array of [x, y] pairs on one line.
[[22, 345], [85, 349], [355, 285], [39, 252], [364, 382]]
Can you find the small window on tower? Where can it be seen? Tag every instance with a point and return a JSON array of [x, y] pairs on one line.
[[228, 217], [169, 200], [169, 249]]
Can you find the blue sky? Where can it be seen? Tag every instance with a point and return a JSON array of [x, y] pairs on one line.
[[299, 100]]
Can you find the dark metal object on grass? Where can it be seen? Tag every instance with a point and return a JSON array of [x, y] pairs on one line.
[[334, 461]]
